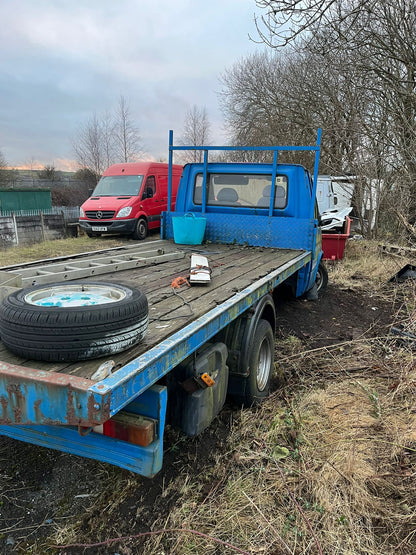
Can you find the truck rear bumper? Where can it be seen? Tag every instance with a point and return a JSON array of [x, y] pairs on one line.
[[29, 396], [146, 461]]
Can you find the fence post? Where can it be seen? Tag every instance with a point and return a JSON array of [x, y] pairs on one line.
[[15, 228], [42, 225], [64, 226]]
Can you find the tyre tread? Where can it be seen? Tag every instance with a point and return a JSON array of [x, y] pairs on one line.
[[72, 333]]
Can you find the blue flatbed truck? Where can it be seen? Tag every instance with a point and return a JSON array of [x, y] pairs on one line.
[[261, 232]]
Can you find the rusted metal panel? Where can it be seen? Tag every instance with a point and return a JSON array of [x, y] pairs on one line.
[[29, 396], [146, 461]]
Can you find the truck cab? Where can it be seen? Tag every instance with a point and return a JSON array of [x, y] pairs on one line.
[[254, 204], [129, 199], [246, 189]]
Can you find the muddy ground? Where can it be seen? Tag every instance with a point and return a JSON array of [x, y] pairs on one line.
[[44, 491]]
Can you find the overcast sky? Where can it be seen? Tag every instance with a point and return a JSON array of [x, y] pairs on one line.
[[63, 60]]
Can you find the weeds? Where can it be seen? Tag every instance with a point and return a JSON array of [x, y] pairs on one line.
[[325, 465], [373, 397]]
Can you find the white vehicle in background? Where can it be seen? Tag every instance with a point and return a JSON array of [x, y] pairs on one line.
[[334, 197], [334, 201]]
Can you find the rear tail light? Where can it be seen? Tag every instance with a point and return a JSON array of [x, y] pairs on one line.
[[129, 427]]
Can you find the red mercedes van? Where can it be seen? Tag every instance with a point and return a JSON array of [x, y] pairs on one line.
[[129, 199]]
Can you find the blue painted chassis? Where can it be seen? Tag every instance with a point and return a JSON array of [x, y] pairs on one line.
[[146, 461], [133, 386]]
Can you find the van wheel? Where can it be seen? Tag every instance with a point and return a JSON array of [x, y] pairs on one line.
[[261, 361], [141, 229]]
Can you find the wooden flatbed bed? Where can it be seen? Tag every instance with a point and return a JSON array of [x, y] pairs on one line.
[[233, 267]]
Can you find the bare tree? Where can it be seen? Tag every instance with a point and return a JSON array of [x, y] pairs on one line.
[[4, 172], [88, 146], [94, 145], [377, 39], [283, 97], [107, 131], [126, 133], [196, 132], [107, 139], [284, 21]]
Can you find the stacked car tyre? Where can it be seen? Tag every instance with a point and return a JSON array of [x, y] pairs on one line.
[[73, 320]]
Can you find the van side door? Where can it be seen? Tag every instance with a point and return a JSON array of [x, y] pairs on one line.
[[151, 201]]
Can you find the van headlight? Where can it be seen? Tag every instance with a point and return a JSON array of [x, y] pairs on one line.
[[124, 212], [81, 213]]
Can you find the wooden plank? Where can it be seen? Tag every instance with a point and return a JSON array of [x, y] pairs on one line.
[[234, 268], [201, 301], [225, 286], [153, 278], [220, 286], [232, 262]]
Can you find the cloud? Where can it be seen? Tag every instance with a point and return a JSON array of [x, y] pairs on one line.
[[66, 60]]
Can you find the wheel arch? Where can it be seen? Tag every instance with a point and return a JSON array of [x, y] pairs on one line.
[[238, 335], [140, 213], [264, 309]]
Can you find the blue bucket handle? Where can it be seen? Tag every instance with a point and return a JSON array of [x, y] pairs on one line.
[[189, 214]]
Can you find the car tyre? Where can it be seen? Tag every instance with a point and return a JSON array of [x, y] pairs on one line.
[[261, 364], [32, 327]]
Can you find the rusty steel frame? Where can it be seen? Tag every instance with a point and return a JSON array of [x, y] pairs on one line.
[[146, 461]]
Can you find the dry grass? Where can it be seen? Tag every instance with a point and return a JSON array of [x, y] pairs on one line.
[[326, 465], [59, 247], [365, 266], [328, 470]]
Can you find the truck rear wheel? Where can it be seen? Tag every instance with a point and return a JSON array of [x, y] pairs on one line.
[[73, 320], [261, 364], [141, 229]]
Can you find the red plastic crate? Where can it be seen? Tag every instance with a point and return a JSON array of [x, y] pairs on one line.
[[333, 244]]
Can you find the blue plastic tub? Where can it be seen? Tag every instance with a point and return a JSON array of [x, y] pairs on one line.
[[188, 229]]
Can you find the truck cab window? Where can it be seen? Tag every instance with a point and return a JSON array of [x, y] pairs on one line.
[[245, 190]]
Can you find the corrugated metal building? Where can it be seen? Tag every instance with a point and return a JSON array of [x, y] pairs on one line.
[[24, 199]]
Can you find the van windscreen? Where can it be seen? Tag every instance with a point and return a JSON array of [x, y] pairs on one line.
[[116, 185]]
